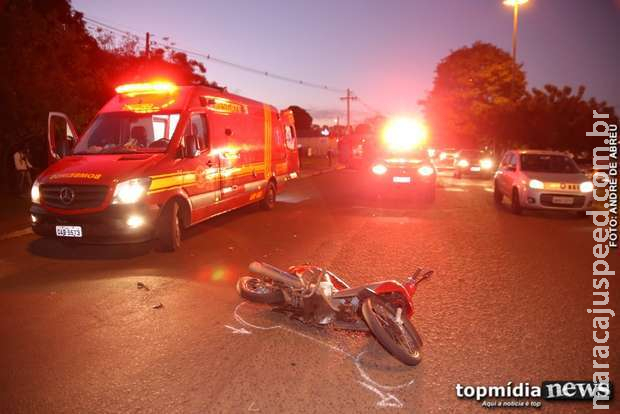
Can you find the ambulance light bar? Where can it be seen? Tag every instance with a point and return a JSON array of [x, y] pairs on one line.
[[148, 88]]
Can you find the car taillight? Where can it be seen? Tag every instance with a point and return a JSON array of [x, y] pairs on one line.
[[379, 169], [425, 170]]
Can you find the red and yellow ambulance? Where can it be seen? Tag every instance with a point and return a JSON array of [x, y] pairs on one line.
[[158, 158]]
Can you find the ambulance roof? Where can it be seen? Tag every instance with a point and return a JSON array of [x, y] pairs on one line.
[[174, 101]]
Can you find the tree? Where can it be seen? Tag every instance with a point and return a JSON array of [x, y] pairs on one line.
[[471, 84], [303, 121], [554, 118], [52, 63]]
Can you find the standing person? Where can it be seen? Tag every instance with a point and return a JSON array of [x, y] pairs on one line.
[[23, 167]]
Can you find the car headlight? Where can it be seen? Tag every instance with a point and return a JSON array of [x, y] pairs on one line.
[[425, 170], [586, 187], [131, 191], [379, 169], [486, 164], [463, 163], [537, 184], [35, 194]]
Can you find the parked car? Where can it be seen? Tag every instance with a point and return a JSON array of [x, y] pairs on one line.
[[444, 159], [546, 180], [473, 163]]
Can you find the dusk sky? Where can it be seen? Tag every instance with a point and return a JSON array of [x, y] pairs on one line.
[[385, 51]]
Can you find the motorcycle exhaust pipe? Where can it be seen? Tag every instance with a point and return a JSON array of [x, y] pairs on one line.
[[276, 274]]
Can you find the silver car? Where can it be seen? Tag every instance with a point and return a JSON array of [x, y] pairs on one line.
[[547, 180]]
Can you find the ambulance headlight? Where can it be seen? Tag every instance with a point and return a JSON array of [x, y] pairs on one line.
[[35, 194], [131, 191]]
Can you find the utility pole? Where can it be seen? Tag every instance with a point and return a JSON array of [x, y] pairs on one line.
[[350, 97], [148, 45]]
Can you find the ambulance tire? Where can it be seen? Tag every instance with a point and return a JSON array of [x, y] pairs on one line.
[[269, 201], [170, 224]]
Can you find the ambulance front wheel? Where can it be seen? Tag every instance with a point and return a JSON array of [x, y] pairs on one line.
[[169, 238], [269, 202]]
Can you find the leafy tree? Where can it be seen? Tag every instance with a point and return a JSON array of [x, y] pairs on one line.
[[554, 118], [303, 121], [52, 63], [470, 84]]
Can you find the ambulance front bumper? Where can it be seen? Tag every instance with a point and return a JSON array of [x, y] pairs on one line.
[[116, 224]]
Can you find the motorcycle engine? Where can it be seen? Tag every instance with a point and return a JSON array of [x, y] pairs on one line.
[[317, 307]]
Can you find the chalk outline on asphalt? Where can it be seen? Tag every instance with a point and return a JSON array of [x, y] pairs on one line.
[[388, 400], [17, 233]]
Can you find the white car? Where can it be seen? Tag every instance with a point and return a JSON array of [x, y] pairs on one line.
[[548, 180]]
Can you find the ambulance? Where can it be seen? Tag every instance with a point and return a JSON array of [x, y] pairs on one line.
[[158, 158]]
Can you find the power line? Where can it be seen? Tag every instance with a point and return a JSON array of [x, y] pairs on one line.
[[368, 107], [207, 56], [212, 58]]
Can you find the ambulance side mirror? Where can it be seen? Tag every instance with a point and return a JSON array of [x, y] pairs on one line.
[[192, 150]]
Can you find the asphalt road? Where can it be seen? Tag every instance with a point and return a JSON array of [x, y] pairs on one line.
[[508, 303]]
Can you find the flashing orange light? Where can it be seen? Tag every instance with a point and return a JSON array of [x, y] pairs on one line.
[[404, 134], [515, 2], [148, 88]]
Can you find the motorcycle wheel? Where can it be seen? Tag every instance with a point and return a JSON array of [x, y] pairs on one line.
[[256, 290], [401, 340]]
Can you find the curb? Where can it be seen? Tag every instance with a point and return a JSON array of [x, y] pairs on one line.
[[320, 172]]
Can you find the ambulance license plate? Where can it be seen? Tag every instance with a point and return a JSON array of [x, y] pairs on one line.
[[69, 231], [475, 168], [401, 179], [562, 200]]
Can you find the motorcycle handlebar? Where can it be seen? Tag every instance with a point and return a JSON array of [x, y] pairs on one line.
[[276, 274], [420, 274]]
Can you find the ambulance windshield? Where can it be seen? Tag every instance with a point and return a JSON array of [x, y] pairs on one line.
[[123, 132]]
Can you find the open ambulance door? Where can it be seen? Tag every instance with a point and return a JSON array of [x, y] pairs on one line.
[[61, 136], [290, 134]]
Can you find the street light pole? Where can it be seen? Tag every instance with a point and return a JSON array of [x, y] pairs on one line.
[[515, 26]]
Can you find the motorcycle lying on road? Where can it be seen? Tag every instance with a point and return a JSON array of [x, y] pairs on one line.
[[317, 296]]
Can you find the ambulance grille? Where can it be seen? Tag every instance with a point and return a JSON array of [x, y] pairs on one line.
[[73, 197]]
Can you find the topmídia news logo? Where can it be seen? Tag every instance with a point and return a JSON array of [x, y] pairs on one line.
[[524, 394]]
